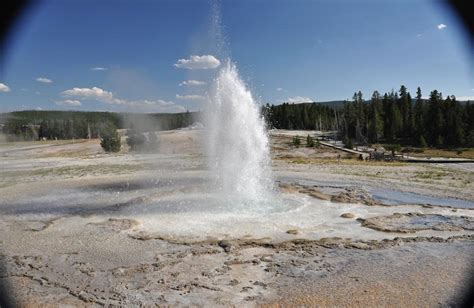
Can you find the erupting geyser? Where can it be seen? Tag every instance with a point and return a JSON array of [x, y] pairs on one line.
[[238, 146]]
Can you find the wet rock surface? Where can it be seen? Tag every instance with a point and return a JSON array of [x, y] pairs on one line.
[[118, 224], [413, 222], [347, 215], [339, 195]]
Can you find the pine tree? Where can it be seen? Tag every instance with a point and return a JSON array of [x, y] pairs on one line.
[[110, 139], [305, 117], [309, 142], [410, 128], [422, 142], [454, 131], [436, 119], [418, 115], [296, 141], [468, 121], [404, 105], [393, 123], [348, 143], [375, 129]]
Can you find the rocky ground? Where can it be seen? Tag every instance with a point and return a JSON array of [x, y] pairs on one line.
[[75, 230]]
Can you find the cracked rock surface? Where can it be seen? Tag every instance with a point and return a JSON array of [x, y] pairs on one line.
[[82, 228]]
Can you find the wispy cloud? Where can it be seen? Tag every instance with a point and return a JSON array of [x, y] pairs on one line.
[[98, 68], [192, 83], [441, 26], [108, 97], [465, 98], [280, 89], [44, 80], [68, 102], [92, 93], [4, 88], [198, 62], [300, 99], [191, 97]]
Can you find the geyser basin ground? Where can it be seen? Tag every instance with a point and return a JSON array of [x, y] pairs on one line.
[[187, 209], [81, 227]]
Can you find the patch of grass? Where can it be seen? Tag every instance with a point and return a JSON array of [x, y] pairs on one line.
[[437, 175], [344, 162], [301, 161], [71, 153], [9, 177], [20, 144], [467, 153]]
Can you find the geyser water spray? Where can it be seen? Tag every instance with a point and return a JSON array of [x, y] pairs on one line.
[[237, 143]]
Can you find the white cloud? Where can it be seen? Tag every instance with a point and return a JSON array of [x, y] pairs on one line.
[[4, 88], [441, 26], [44, 80], [280, 89], [192, 97], [300, 99], [91, 93], [198, 62], [465, 98], [98, 68], [150, 103], [192, 83], [107, 97], [458, 98], [68, 102], [176, 108], [38, 108]]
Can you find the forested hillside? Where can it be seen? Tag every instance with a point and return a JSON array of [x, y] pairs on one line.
[[35, 125], [393, 117]]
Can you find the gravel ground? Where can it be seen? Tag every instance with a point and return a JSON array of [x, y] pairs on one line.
[[76, 229]]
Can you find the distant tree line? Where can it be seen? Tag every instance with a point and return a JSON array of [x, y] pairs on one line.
[[304, 116], [34, 125], [394, 117], [37, 125], [397, 118]]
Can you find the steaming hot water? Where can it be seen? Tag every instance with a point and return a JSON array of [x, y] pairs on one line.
[[236, 196], [238, 192], [238, 146]]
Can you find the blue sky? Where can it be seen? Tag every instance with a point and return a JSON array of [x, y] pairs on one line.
[[155, 56]]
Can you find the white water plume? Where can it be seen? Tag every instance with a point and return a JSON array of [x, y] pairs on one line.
[[238, 146]]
